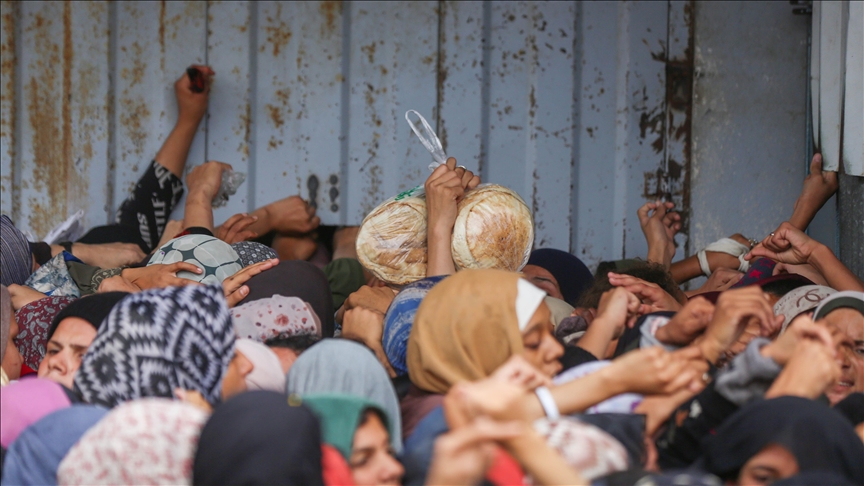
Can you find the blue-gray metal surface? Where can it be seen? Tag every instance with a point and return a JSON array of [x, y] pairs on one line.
[[571, 104], [748, 118]]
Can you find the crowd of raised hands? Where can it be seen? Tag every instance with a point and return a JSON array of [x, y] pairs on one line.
[[132, 359]]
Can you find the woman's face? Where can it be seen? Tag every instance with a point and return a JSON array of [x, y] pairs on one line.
[[542, 279], [234, 379], [772, 463], [372, 460], [65, 350], [12, 359], [847, 329], [541, 348]]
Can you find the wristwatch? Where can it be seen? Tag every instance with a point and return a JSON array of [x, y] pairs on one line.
[[67, 245]]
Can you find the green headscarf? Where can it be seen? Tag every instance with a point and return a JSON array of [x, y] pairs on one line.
[[340, 417]]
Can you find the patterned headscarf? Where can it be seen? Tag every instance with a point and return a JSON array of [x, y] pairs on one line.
[[218, 260], [5, 319], [587, 448], [24, 402], [34, 457], [800, 300], [34, 320], [148, 441], [400, 319], [16, 262], [157, 340], [277, 316], [53, 278], [252, 252]]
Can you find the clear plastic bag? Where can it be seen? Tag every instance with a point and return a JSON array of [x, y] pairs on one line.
[[231, 181]]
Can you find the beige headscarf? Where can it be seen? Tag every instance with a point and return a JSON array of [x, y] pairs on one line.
[[465, 328]]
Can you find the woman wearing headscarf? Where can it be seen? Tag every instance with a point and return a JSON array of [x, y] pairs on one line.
[[33, 458], [775, 439], [469, 325], [346, 367], [558, 273], [259, 438], [34, 321], [843, 313], [16, 261], [400, 319], [156, 341], [295, 278], [147, 441], [10, 357], [23, 403], [71, 333], [360, 430]]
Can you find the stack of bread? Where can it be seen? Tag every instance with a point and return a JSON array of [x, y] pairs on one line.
[[494, 229]]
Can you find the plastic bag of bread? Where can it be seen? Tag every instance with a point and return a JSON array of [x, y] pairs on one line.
[[391, 242], [494, 229]]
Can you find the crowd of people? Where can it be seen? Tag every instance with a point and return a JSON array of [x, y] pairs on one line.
[[260, 351]]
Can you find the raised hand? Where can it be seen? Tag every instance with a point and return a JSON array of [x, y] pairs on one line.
[[234, 287], [659, 225], [654, 298], [652, 371], [688, 324], [235, 229], [192, 106], [736, 309], [204, 180]]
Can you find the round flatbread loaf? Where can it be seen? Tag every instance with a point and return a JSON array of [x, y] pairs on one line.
[[494, 229], [391, 242]]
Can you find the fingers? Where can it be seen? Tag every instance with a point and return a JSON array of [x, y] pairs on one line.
[[643, 211], [179, 282], [237, 296], [183, 266], [451, 163], [816, 164]]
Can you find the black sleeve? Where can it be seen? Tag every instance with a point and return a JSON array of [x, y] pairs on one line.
[[681, 443], [575, 356]]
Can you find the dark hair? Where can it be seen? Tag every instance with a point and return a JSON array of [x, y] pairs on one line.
[[780, 288], [648, 271], [298, 344]]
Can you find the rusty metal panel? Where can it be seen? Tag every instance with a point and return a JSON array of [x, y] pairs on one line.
[[229, 123], [392, 68], [9, 94], [63, 119], [299, 105], [582, 108]]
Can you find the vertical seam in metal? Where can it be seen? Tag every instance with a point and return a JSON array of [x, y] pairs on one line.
[[111, 159], [576, 124], [345, 109], [439, 85], [252, 182], [206, 63], [485, 88], [18, 109]]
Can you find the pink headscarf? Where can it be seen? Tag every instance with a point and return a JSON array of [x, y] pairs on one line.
[[277, 316], [146, 441], [24, 402]]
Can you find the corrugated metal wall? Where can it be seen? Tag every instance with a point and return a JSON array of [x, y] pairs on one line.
[[583, 108]]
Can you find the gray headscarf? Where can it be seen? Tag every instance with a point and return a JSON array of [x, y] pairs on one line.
[[346, 367], [16, 262], [5, 319]]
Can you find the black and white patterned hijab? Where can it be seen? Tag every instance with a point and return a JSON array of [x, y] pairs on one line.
[[155, 341]]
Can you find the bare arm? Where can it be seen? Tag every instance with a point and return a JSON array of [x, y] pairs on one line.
[[191, 108]]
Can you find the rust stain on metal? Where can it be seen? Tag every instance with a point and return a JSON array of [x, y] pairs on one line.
[[135, 74], [369, 51], [276, 115], [7, 96], [131, 113], [246, 123], [330, 9], [52, 134], [277, 35]]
